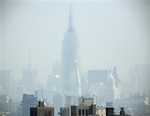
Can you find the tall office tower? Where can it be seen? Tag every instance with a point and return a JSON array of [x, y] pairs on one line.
[[58, 101], [5, 76], [7, 83], [29, 79], [27, 102], [54, 82], [19, 91], [70, 72], [139, 77], [110, 88], [116, 77]]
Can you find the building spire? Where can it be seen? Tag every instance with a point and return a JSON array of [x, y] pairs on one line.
[[70, 17], [29, 65]]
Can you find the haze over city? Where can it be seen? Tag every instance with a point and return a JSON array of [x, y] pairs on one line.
[[74, 57], [110, 33]]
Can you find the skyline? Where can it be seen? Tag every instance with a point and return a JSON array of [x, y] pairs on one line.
[[40, 27]]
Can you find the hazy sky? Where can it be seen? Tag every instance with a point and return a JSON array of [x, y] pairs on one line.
[[110, 33]]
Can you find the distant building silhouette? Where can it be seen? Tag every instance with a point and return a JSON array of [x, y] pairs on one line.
[[102, 85], [20, 91], [70, 72], [29, 79], [139, 77], [58, 101], [7, 83], [110, 88], [116, 77], [55, 78], [27, 102], [68, 101], [136, 105], [97, 76], [7, 106]]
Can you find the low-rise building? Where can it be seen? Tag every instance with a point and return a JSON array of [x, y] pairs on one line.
[[41, 110], [109, 111], [86, 107]]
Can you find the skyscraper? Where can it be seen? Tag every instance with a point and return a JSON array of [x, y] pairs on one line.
[[29, 78], [139, 79], [27, 102], [70, 73], [7, 83]]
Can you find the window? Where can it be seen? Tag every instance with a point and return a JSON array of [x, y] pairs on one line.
[[83, 112], [79, 111], [86, 112], [49, 113], [89, 111]]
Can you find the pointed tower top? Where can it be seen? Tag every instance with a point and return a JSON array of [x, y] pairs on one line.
[[29, 65], [70, 17]]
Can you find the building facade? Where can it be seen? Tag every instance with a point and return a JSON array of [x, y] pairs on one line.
[[41, 110], [86, 107]]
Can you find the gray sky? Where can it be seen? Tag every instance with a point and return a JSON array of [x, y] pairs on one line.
[[109, 33]]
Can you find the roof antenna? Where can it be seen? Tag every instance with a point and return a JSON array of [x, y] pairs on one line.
[[70, 16]]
